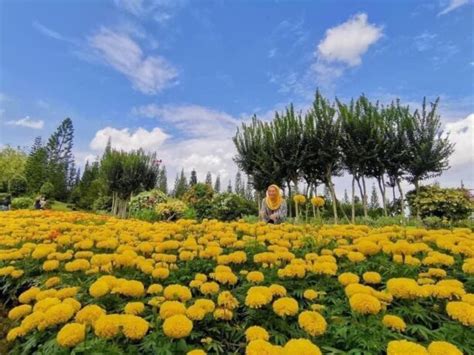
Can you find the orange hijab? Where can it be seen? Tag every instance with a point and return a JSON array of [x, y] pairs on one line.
[[275, 202]]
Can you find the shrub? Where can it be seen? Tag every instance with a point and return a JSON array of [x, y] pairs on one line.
[[171, 210], [145, 215], [18, 185], [102, 203], [452, 204], [199, 197], [146, 200], [22, 203], [229, 206], [47, 189]]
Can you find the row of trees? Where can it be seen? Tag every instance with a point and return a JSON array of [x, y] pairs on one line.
[[367, 140]]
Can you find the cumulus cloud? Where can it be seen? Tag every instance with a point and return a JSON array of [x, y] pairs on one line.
[[452, 5], [27, 122], [125, 139], [148, 73], [461, 133]]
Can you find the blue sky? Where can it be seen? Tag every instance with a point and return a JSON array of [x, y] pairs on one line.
[[179, 76]]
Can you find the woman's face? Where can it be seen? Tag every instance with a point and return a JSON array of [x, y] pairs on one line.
[[272, 192]]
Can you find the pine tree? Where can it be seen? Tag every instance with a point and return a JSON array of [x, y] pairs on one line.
[[346, 197], [217, 184], [163, 180], [209, 179], [249, 189], [181, 185], [374, 199], [193, 179], [36, 172], [229, 187], [238, 187]]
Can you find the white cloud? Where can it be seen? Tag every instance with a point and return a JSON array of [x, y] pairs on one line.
[[135, 7], [27, 122], [148, 73], [162, 11], [347, 42], [452, 5], [124, 139], [50, 33], [461, 133]]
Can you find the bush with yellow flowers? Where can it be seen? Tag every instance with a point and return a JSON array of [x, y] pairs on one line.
[[85, 283]]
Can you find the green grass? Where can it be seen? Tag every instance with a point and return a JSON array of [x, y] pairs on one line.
[[60, 206]]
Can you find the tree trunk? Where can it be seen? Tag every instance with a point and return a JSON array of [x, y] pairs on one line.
[[417, 190], [288, 183], [333, 197], [364, 205], [382, 192], [364, 197], [353, 201], [402, 198]]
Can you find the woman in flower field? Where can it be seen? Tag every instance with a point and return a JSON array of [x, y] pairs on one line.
[[92, 284], [274, 209]]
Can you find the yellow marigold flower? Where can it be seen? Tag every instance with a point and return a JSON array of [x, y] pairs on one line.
[[134, 327], [223, 313], [107, 326], [195, 312], [77, 265], [285, 306], [50, 265], [177, 292], [260, 347], [255, 332], [171, 308], [45, 304], [394, 322], [468, 298], [312, 323], [277, 290], [462, 312], [347, 278], [99, 289], [89, 314], [209, 288], [299, 199], [177, 326], [443, 348], [134, 308], [71, 334], [258, 296], [403, 288], [46, 294], [15, 333], [73, 302], [19, 312], [404, 347], [201, 277], [160, 273], [207, 305], [372, 277], [196, 352], [365, 304], [130, 288], [356, 256], [317, 201], [29, 295], [67, 292], [154, 289], [227, 300], [58, 314], [156, 301], [301, 346], [255, 277], [310, 294], [31, 321], [52, 281]]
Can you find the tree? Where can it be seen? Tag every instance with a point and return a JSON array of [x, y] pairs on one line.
[[374, 199], [249, 190], [238, 186], [193, 178], [163, 180], [209, 179], [428, 150], [217, 184], [346, 197], [229, 187], [36, 166], [181, 185], [12, 164]]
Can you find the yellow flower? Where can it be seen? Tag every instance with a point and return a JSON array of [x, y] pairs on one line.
[[209, 288], [260, 347], [19, 312], [177, 326], [403, 288], [372, 277], [310, 294], [462, 312], [277, 290], [317, 201], [89, 314], [223, 313], [50, 265], [29, 295], [365, 304], [300, 346], [15, 333], [107, 326], [285, 306], [258, 296], [171, 308], [99, 289], [177, 292], [404, 347], [73, 302], [154, 289], [196, 352], [255, 277], [312, 323], [255, 332], [160, 273], [394, 323], [195, 312], [71, 334], [227, 300], [130, 288], [347, 278], [134, 327], [134, 308], [57, 314], [443, 348], [207, 305], [299, 199], [52, 281]]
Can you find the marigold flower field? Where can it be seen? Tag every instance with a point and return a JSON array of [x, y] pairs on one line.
[[94, 284]]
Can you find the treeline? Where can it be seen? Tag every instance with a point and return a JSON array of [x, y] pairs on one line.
[[388, 143]]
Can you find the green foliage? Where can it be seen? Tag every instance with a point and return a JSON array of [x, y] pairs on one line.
[[146, 200], [181, 184], [18, 185], [450, 204], [199, 197], [12, 164], [22, 203], [229, 207], [36, 167], [170, 210], [47, 189]]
